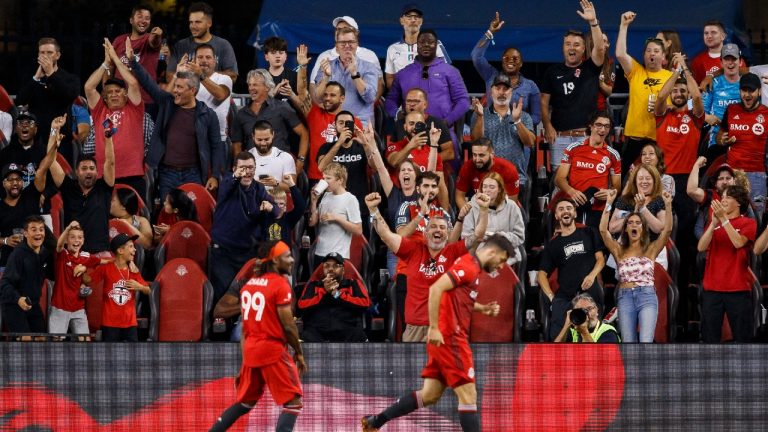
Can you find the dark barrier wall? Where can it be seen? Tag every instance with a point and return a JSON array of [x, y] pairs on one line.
[[170, 387]]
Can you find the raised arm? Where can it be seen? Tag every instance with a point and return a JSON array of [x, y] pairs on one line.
[[610, 243], [302, 101], [109, 161], [134, 92], [692, 188], [588, 14], [482, 66], [54, 140], [389, 238], [91, 86], [374, 156], [621, 42], [661, 242]]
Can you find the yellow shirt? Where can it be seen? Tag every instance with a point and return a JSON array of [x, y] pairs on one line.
[[641, 123]]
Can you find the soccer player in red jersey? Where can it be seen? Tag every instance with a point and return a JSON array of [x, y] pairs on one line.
[[449, 358], [265, 303]]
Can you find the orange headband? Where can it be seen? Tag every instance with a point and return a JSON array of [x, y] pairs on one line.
[[278, 249]]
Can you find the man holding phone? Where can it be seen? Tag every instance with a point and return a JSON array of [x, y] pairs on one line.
[[271, 162], [414, 146]]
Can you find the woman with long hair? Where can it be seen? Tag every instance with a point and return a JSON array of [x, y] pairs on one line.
[[177, 207], [125, 207], [653, 155], [672, 45], [635, 253]]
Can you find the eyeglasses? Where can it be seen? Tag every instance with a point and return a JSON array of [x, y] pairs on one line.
[[26, 122], [247, 167], [14, 180], [346, 43], [602, 125], [511, 58], [425, 72]]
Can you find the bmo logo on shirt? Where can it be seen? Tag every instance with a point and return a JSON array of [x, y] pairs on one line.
[[683, 129], [587, 165], [739, 127]]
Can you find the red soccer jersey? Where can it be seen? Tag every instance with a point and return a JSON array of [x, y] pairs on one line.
[[322, 129], [419, 156], [128, 141], [457, 305], [678, 134], [147, 57], [705, 65], [262, 330], [748, 152], [727, 267], [422, 271], [66, 290], [119, 308], [470, 176], [591, 167]]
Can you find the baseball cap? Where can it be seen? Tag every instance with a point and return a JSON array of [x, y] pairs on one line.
[[730, 50], [11, 168], [501, 79], [726, 167], [120, 240], [411, 7], [750, 81], [334, 256], [26, 115], [115, 81], [347, 19]]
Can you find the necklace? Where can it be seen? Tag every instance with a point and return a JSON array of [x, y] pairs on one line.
[[128, 276]]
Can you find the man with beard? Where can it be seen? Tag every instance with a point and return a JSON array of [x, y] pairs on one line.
[[577, 255], [359, 77], [723, 176], [145, 45], [278, 113], [215, 88], [413, 216], [589, 169], [506, 124], [200, 22], [50, 92], [243, 211], [21, 285], [446, 93], [484, 161], [511, 63], [571, 88], [724, 91], [272, 164], [401, 54], [120, 107], [416, 100], [425, 260], [449, 357], [743, 132], [24, 150], [268, 326]]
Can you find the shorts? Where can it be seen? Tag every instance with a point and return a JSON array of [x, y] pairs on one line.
[[282, 378], [415, 333], [61, 321], [450, 363]]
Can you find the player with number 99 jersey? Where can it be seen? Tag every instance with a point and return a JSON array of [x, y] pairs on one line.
[[264, 339]]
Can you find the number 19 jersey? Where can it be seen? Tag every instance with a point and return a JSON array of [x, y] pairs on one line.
[[262, 331]]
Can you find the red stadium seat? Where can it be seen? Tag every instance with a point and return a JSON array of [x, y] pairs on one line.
[[57, 214], [668, 295], [6, 103], [180, 303], [204, 203], [505, 288], [185, 239], [360, 254], [143, 209], [94, 303]]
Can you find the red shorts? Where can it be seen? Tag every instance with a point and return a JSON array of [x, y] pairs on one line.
[[450, 363], [281, 377]]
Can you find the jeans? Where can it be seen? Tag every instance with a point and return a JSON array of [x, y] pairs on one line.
[[638, 305], [171, 178], [758, 193], [391, 264]]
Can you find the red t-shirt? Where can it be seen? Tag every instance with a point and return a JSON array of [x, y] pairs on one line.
[[471, 177], [704, 65], [422, 271], [727, 267], [591, 167], [119, 302], [262, 330], [66, 290], [148, 57], [748, 152], [128, 141], [419, 156], [322, 129], [457, 305], [678, 134], [167, 218]]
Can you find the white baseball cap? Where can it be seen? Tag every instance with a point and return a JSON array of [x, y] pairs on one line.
[[347, 19]]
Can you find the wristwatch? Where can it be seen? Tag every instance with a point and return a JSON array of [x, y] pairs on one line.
[[301, 159], [356, 76]]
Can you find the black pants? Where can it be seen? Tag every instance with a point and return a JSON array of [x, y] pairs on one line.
[[738, 307], [224, 267], [117, 334], [19, 321]]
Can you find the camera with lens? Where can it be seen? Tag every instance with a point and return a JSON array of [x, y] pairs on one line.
[[419, 127], [578, 316]]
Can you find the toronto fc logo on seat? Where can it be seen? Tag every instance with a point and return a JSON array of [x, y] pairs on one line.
[[119, 294]]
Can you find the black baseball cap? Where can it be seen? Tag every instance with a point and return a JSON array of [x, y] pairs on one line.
[[749, 81], [502, 79], [335, 257], [120, 240], [26, 115], [411, 7], [11, 168]]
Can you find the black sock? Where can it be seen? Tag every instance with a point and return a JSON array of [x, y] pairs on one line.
[[405, 405], [229, 416], [468, 418], [287, 418]]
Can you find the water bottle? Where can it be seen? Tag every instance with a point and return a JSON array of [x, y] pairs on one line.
[[652, 102], [305, 241]]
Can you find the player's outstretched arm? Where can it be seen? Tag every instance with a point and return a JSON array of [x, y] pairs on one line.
[[292, 335]]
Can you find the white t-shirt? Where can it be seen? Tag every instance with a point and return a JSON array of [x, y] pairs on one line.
[[276, 164], [332, 54], [401, 54], [6, 125], [221, 109], [331, 236], [761, 70]]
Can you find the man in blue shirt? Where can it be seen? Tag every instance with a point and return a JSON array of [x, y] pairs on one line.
[[725, 91]]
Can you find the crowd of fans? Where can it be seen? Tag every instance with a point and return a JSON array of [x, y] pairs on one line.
[[344, 154]]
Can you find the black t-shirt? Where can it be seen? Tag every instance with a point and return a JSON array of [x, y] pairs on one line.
[[27, 159], [573, 93], [445, 135], [574, 257], [13, 216], [292, 78], [91, 211], [356, 163]]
